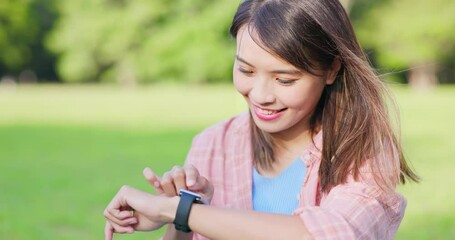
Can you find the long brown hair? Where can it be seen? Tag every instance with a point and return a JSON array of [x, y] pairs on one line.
[[353, 112]]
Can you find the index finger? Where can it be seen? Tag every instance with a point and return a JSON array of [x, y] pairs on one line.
[[192, 175], [153, 179]]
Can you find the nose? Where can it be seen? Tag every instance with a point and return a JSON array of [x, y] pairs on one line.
[[262, 92]]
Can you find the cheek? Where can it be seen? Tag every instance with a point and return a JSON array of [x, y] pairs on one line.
[[243, 86], [294, 101], [300, 99]]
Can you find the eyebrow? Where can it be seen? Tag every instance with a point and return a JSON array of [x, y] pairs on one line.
[[243, 60], [290, 72]]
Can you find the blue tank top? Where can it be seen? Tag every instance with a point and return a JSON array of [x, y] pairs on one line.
[[279, 194]]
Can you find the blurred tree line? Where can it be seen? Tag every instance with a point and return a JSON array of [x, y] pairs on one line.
[[24, 24], [140, 41], [416, 35]]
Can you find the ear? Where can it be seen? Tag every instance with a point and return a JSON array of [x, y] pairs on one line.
[[333, 71]]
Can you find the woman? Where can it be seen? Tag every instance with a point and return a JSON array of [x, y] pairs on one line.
[[316, 156]]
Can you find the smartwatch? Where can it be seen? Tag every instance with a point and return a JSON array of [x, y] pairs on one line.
[[187, 198]]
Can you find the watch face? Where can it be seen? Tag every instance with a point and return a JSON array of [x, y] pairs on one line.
[[197, 196]]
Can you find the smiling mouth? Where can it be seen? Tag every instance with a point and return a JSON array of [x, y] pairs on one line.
[[268, 114], [268, 111]]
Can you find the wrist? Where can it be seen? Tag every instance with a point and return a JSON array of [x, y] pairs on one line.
[[187, 199], [167, 213]]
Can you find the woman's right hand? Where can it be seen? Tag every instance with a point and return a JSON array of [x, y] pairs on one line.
[[187, 178]]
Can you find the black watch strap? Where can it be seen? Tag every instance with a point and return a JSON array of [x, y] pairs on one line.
[[187, 199]]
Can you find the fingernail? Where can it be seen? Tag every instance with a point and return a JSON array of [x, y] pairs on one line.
[[147, 173], [190, 182], [133, 221]]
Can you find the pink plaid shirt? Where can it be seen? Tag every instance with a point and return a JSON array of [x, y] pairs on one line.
[[354, 210]]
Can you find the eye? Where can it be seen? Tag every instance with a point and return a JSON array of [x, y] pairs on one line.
[[286, 81], [243, 70]]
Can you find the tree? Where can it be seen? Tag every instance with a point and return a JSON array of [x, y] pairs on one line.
[[16, 33], [23, 25], [143, 41], [411, 34]]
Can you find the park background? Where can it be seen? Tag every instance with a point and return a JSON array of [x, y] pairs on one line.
[[92, 91]]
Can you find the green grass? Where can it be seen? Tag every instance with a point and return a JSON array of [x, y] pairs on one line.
[[64, 152], [56, 181], [429, 143], [156, 107]]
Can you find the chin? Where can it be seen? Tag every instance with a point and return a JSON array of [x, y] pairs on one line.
[[268, 127]]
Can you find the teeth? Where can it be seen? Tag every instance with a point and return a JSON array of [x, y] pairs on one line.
[[267, 112]]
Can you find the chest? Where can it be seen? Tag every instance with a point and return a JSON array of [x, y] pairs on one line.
[[234, 187], [280, 193]]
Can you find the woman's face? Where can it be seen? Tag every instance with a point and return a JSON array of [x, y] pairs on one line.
[[281, 97]]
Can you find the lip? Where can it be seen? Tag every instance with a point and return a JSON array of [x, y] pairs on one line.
[[267, 117]]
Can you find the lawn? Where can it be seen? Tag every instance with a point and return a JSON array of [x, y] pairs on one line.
[[65, 150]]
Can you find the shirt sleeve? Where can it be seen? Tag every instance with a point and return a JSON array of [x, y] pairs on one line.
[[354, 210]]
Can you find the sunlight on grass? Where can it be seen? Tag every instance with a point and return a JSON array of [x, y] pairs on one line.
[[154, 107]]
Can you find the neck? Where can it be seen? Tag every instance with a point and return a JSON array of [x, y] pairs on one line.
[[287, 148], [292, 142]]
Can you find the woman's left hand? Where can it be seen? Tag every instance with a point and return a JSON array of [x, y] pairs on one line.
[[134, 210]]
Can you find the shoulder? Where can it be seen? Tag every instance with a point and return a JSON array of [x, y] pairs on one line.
[[221, 141], [223, 149], [234, 127]]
